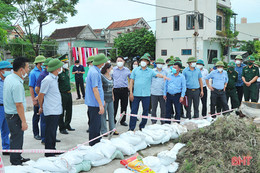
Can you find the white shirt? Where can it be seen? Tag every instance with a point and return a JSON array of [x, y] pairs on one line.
[[204, 73]]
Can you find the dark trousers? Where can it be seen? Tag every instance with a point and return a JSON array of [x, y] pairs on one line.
[[51, 132], [232, 94], [204, 101], [43, 127], [80, 83], [66, 99], [219, 95], [258, 88], [250, 93], [173, 100], [94, 124], [240, 93], [35, 120], [155, 101], [193, 97], [122, 95], [16, 138], [135, 106]]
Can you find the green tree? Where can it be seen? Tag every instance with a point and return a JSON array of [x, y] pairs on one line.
[[41, 13], [135, 43], [248, 46]]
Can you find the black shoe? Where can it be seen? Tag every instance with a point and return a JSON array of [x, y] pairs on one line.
[[57, 140], [5, 153], [37, 137], [64, 132], [124, 124], [24, 160], [70, 129], [87, 131], [78, 98], [43, 143]]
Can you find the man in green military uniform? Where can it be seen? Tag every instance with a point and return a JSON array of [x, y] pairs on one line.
[[66, 98], [249, 76], [231, 86]]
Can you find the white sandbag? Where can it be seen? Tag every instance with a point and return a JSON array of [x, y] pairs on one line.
[[157, 135], [21, 169], [122, 170], [101, 162], [166, 157], [163, 169], [93, 154], [73, 157], [166, 137], [131, 138], [157, 127], [177, 147], [142, 145], [179, 128], [47, 164], [153, 163], [148, 139], [123, 146], [172, 168], [105, 147]]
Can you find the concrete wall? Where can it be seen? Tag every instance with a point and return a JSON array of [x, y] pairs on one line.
[[250, 31], [86, 33]]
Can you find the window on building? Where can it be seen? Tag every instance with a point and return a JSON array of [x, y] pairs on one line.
[[186, 51], [212, 54], [176, 26], [16, 36], [164, 19], [190, 20], [164, 52], [219, 23]]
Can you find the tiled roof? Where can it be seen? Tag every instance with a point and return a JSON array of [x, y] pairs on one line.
[[123, 23], [97, 31], [67, 32]]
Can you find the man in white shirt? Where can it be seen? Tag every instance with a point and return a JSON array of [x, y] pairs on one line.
[[204, 73]]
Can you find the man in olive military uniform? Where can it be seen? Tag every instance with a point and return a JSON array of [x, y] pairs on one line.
[[64, 87], [249, 76], [231, 86]]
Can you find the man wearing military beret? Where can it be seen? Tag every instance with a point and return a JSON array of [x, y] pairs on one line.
[[231, 86], [250, 75]]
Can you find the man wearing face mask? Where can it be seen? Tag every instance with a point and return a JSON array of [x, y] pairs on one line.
[[194, 85], [50, 103], [231, 86], [89, 64], [95, 99], [219, 83], [174, 91], [250, 75], [65, 90], [239, 84], [79, 70], [33, 77], [120, 77], [157, 89], [5, 70], [141, 79], [204, 73], [15, 106]]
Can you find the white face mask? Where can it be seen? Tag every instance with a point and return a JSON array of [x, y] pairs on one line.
[[199, 66], [65, 65], [24, 75], [143, 63], [220, 69], [111, 72], [134, 66], [60, 71], [238, 62], [77, 65], [109, 61], [159, 66], [193, 64], [119, 64]]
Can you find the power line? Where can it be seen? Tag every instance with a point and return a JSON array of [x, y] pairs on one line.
[[168, 17]]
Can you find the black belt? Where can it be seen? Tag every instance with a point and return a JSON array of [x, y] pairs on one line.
[[193, 89], [65, 91], [218, 89], [123, 88], [174, 94], [1, 104]]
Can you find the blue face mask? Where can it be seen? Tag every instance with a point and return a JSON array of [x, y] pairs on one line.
[[6, 73], [174, 71]]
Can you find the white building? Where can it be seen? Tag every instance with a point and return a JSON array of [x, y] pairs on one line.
[[175, 30], [248, 31]]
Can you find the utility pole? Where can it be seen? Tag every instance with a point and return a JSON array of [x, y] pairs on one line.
[[196, 26]]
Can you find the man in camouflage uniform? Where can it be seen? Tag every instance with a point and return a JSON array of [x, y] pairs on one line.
[[231, 86]]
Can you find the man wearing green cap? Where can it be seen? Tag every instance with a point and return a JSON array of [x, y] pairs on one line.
[[66, 98], [151, 60], [157, 89], [95, 97], [257, 64], [239, 84], [219, 83], [50, 103], [194, 86], [214, 61], [250, 75], [231, 86], [141, 79], [89, 64], [33, 76]]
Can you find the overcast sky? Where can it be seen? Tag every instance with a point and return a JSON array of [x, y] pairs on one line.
[[101, 13]]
